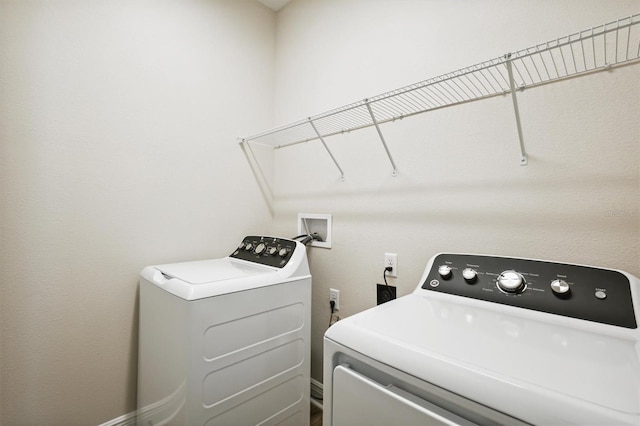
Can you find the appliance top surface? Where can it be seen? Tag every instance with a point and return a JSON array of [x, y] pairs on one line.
[[491, 352], [256, 262], [209, 271]]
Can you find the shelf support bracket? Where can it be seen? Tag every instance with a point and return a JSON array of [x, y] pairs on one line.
[[327, 148], [524, 160], [384, 143]]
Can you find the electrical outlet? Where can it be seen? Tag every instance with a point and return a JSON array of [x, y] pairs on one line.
[[335, 296], [391, 259]]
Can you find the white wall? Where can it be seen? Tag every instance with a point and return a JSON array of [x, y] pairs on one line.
[[460, 186], [118, 122]]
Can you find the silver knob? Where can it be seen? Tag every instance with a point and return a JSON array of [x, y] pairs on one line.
[[248, 247], [444, 271], [260, 248], [560, 288], [511, 282], [272, 251], [470, 275], [283, 252]]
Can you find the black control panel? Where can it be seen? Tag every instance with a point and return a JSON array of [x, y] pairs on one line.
[[268, 251], [582, 292]]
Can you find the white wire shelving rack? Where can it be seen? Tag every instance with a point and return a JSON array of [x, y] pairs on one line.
[[597, 49]]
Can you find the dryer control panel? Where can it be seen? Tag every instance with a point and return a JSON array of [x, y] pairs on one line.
[[582, 292], [270, 251]]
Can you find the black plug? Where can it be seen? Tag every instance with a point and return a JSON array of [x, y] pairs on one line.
[[388, 269], [332, 303]]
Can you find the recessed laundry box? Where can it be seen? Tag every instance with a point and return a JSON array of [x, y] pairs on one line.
[[226, 341]]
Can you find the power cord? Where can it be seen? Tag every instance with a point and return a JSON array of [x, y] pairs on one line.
[[333, 317], [384, 274], [308, 238]]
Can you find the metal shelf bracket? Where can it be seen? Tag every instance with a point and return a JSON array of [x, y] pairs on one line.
[[315, 129], [524, 160], [384, 143]]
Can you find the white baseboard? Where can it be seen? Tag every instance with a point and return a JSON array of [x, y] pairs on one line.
[[128, 419], [317, 390]]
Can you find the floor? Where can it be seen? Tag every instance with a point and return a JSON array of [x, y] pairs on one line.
[[316, 416]]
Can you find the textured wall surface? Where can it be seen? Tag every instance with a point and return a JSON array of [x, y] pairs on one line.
[[118, 122], [459, 186]]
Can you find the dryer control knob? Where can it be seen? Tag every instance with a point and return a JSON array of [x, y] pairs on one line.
[[260, 248], [248, 247], [560, 288], [511, 282], [283, 252], [272, 251], [444, 271], [470, 275]]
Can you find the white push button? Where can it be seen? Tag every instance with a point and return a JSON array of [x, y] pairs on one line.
[[601, 295]]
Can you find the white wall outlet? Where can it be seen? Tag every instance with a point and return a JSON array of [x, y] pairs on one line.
[[391, 259], [335, 296]]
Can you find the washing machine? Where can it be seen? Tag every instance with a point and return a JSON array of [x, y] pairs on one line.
[[491, 340], [226, 341]]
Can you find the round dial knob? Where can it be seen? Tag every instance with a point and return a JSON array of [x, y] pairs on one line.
[[470, 275], [283, 252], [260, 248], [248, 247], [511, 282], [444, 271], [560, 288], [272, 251]]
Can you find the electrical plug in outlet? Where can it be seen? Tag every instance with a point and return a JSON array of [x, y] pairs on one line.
[[391, 260], [334, 295]]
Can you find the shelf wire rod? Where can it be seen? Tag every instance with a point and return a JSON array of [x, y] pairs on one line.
[[617, 31], [564, 62], [604, 43], [535, 67], [524, 65], [375, 123], [514, 98], [448, 90], [327, 148], [475, 75], [553, 61], [626, 50], [434, 95], [491, 73], [573, 58], [461, 96], [584, 56], [484, 75], [455, 82], [473, 94], [478, 92], [444, 96], [389, 109], [424, 99], [546, 70], [409, 102]]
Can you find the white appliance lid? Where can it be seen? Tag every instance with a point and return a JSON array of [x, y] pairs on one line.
[[212, 270]]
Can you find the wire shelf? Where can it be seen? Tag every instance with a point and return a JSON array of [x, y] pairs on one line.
[[596, 49]]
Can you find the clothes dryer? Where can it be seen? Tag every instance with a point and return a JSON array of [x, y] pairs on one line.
[[226, 341], [491, 340]]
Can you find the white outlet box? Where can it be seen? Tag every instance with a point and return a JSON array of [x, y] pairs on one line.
[[391, 259], [335, 296], [310, 223]]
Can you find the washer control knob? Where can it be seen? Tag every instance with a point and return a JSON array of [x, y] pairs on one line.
[[560, 288], [444, 271], [272, 251], [248, 247], [260, 248], [511, 282], [283, 252], [470, 275]]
